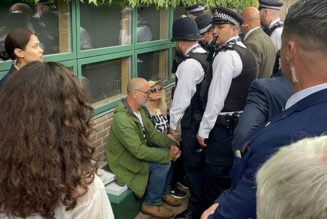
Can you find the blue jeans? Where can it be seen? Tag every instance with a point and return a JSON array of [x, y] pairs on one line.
[[158, 184]]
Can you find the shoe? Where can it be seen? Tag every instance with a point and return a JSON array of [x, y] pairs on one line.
[[182, 185], [184, 215], [177, 193], [157, 211], [169, 199]]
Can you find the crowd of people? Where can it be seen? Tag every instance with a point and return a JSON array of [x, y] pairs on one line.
[[245, 128]]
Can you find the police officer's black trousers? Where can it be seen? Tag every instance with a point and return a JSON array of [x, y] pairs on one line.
[[218, 162], [193, 163]]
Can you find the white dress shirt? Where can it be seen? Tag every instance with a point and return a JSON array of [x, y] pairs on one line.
[[189, 73], [226, 66], [276, 35], [303, 94], [93, 204]]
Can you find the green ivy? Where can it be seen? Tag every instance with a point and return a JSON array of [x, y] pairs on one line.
[[237, 4]]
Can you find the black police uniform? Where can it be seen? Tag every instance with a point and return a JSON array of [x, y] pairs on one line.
[[219, 154], [186, 29]]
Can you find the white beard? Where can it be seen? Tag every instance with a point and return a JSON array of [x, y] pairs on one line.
[[142, 103]]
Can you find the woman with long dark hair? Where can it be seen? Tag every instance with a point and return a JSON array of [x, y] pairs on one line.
[[47, 168], [23, 47]]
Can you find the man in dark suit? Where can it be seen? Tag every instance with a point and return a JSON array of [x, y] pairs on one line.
[[266, 98], [258, 42], [303, 58]]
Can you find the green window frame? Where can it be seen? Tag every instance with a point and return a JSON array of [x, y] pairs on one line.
[[77, 57]]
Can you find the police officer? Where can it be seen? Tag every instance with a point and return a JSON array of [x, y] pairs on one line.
[[272, 25], [187, 108], [233, 69], [194, 11], [203, 22]]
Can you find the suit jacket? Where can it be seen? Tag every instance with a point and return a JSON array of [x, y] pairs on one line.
[[266, 98], [5, 78], [263, 50], [306, 118]]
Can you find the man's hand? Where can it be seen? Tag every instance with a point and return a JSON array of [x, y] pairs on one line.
[[173, 138], [201, 141], [174, 152], [175, 134], [209, 211]]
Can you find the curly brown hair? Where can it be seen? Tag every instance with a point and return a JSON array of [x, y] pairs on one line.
[[45, 153]]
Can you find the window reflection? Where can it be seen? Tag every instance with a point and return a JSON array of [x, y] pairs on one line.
[[107, 80], [105, 26], [49, 19], [153, 65], [151, 24]]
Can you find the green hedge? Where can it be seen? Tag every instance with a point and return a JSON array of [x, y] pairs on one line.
[[237, 4]]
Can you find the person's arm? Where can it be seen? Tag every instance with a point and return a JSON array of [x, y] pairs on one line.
[[255, 113], [226, 66], [189, 74], [240, 201], [127, 133]]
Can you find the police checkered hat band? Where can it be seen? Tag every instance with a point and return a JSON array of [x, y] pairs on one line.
[[200, 8], [203, 22], [223, 15], [195, 8], [204, 30]]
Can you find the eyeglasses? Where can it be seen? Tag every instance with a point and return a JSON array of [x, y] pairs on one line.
[[145, 92], [156, 90]]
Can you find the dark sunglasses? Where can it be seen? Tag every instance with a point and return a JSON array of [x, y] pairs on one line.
[[156, 90]]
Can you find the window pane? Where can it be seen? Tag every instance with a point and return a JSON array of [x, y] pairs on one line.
[[153, 65], [106, 81], [51, 21], [151, 24], [104, 26]]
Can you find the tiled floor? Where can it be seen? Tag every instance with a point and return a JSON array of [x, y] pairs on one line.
[[176, 210]]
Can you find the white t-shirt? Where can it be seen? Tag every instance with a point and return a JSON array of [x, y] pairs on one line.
[[160, 122], [94, 204]]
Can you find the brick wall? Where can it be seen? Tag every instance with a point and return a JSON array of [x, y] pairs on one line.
[[102, 126]]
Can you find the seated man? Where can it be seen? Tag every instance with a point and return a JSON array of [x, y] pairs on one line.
[[138, 154]]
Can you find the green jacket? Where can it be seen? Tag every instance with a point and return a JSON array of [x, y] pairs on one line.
[[129, 153]]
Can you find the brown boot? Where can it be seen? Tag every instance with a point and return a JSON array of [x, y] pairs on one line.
[[157, 211], [171, 200]]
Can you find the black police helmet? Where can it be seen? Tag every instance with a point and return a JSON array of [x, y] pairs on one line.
[[185, 28]]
